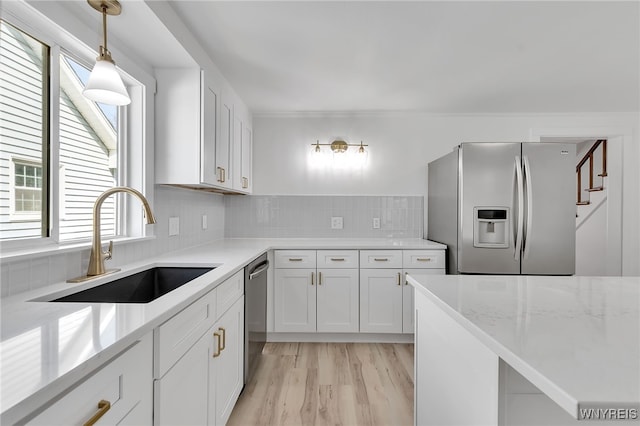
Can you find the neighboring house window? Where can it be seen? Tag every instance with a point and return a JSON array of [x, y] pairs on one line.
[[47, 124], [27, 184]]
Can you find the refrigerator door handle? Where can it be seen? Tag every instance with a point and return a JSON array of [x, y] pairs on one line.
[[527, 229], [519, 223]]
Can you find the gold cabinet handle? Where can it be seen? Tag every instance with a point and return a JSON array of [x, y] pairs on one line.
[[216, 353], [245, 182], [399, 278], [312, 277], [224, 174], [219, 174], [319, 278], [337, 259], [295, 259], [103, 407], [381, 259], [424, 259], [406, 274], [224, 338]]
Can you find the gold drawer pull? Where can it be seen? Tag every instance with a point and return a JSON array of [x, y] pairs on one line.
[[103, 407], [224, 338], [399, 278], [295, 259], [337, 259], [218, 349], [381, 259], [424, 259]]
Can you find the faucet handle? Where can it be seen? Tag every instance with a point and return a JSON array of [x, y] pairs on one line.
[[107, 254]]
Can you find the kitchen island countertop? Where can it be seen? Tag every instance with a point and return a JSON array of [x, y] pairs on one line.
[[577, 339]]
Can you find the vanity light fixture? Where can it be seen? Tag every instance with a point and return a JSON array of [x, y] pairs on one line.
[[339, 146], [105, 84]]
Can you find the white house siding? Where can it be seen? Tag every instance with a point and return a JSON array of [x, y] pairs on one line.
[[84, 158], [20, 122], [86, 165]]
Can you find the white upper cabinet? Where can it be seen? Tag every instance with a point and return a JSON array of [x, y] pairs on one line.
[[242, 151], [197, 141]]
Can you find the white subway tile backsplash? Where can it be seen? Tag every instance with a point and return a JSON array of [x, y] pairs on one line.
[[266, 216]]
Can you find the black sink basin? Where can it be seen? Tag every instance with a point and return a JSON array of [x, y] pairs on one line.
[[142, 287]]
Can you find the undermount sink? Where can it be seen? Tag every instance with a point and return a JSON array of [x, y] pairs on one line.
[[142, 287]]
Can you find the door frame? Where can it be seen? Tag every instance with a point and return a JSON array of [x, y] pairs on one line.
[[616, 139]]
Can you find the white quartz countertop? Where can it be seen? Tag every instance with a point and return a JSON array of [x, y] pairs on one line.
[[575, 338], [46, 347]]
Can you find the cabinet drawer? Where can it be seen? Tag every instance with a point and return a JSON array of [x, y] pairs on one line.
[[228, 292], [428, 259], [295, 259], [173, 338], [380, 259], [124, 382], [337, 259]]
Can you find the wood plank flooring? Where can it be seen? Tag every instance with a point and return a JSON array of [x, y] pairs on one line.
[[329, 384]]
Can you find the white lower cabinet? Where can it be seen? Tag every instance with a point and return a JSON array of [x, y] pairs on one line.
[[381, 293], [322, 299], [227, 370], [181, 397], [203, 385], [408, 302], [295, 300], [337, 301], [118, 393]]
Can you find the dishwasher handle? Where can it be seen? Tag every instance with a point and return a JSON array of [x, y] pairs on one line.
[[259, 269]]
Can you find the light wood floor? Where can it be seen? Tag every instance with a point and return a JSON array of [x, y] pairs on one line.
[[329, 384]]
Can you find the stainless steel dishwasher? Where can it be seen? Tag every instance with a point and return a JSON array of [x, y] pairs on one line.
[[255, 313]]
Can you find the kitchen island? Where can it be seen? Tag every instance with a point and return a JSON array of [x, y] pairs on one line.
[[538, 350]]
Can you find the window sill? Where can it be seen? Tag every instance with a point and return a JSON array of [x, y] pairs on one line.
[[16, 254]]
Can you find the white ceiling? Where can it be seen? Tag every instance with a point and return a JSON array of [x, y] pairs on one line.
[[441, 57]]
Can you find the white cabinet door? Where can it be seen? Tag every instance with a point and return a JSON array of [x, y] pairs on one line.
[[228, 371], [209, 132], [295, 300], [381, 300], [223, 145], [125, 383], [337, 300], [182, 395], [247, 156]]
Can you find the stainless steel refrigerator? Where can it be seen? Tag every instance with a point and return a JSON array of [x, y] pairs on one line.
[[505, 208]]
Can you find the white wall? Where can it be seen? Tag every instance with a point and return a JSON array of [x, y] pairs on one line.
[[402, 144]]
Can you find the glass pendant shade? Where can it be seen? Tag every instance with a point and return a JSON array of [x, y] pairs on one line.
[[105, 85]]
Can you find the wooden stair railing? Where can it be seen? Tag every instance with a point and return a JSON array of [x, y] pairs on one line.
[[589, 156]]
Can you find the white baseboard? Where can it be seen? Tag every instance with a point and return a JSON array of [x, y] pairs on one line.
[[341, 337]]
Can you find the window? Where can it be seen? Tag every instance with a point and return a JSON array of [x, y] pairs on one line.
[[47, 124], [27, 184]]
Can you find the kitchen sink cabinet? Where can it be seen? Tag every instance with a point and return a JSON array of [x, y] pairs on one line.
[[199, 383], [227, 363], [118, 393]]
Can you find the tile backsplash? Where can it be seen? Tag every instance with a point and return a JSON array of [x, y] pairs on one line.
[[256, 216], [39, 270], [309, 216]]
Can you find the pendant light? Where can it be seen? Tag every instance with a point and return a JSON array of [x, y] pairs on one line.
[[105, 84]]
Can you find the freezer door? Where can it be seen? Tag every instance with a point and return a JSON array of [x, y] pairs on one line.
[[550, 209], [487, 191]]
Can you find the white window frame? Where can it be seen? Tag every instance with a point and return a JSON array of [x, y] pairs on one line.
[[135, 159]]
